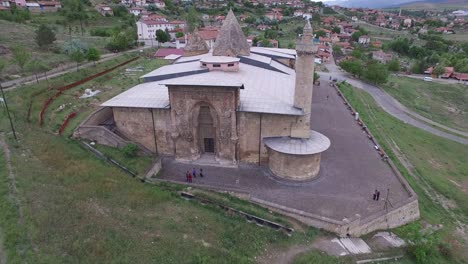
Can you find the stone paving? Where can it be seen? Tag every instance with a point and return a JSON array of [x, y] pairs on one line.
[[351, 169]]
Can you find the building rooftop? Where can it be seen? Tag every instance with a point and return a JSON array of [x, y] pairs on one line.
[[316, 143], [268, 86]]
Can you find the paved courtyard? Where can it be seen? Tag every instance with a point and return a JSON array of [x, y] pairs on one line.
[[351, 169]]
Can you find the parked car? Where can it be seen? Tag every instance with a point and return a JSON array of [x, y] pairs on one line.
[[428, 79]]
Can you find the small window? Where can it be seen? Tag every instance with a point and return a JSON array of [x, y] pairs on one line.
[[203, 64], [216, 65], [231, 65]]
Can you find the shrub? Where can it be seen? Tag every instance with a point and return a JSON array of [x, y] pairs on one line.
[[130, 150]]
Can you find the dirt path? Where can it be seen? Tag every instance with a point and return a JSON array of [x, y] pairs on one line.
[[13, 84]]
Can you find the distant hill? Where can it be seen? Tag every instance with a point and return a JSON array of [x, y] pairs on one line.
[[436, 4], [424, 4]]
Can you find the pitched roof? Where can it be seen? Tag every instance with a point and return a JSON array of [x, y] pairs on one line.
[[231, 40], [196, 44], [163, 52]]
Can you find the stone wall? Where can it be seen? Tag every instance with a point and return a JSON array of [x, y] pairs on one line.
[[294, 167], [401, 214], [162, 125], [185, 108], [136, 124], [253, 126]]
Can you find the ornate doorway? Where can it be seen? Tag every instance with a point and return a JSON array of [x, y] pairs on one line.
[[206, 130]]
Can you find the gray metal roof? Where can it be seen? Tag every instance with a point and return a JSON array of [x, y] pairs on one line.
[[145, 95], [266, 89], [316, 143]]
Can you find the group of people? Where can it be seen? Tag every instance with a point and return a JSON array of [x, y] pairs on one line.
[[190, 175], [376, 195]]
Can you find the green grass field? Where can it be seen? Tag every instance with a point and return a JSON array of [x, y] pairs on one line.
[[436, 161], [446, 104], [79, 209], [13, 34]]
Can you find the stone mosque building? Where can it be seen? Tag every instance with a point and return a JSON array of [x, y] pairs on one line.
[[232, 104]]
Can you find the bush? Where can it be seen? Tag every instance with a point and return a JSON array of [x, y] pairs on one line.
[[130, 150], [101, 32]]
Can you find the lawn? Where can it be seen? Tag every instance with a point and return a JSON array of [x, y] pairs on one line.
[[79, 209], [12, 34], [446, 104], [439, 162]]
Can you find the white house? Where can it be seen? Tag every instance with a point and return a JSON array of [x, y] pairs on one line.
[[307, 16], [298, 13], [136, 11], [364, 39], [159, 4], [147, 28]]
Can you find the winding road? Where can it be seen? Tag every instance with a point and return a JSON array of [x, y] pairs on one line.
[[395, 108]]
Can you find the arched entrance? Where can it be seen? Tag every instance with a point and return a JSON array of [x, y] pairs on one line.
[[206, 130]]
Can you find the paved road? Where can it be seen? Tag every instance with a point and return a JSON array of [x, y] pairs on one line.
[[9, 85], [394, 108], [443, 81]]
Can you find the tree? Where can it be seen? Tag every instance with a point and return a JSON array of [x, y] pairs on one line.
[[21, 56], [78, 57], [393, 65], [44, 35], [356, 35], [192, 19], [376, 73], [161, 36], [121, 41], [354, 67], [320, 33], [438, 70], [316, 76], [93, 55], [179, 34], [337, 50], [75, 10], [36, 66], [336, 30]]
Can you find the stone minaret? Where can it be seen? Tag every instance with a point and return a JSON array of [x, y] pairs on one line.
[[304, 82]]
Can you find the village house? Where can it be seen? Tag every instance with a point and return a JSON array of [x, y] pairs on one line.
[[324, 41], [263, 27], [136, 11], [274, 15], [334, 38], [104, 10], [298, 13], [381, 56], [364, 40], [146, 28], [448, 72], [376, 44]]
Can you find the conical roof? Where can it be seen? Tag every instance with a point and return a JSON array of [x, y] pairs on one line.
[[195, 45], [231, 40]]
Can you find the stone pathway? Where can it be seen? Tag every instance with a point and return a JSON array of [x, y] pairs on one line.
[[351, 169], [394, 108]]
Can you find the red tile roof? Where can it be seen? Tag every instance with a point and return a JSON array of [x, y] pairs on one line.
[[163, 52]]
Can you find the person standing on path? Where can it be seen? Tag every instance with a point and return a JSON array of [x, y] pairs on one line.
[[189, 177], [374, 197], [378, 195], [201, 172], [194, 172]]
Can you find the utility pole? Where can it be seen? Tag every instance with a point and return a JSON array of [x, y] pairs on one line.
[[8, 112]]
